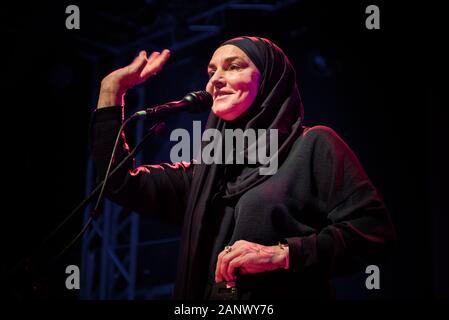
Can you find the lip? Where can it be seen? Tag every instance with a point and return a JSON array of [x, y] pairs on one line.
[[221, 94], [221, 97]]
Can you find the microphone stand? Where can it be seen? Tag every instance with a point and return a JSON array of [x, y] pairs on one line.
[[154, 130], [192, 99]]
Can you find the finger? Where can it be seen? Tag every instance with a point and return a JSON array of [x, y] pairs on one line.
[[226, 259], [233, 265], [218, 277], [138, 57], [155, 64], [143, 53], [138, 64], [153, 56], [142, 56], [218, 268]]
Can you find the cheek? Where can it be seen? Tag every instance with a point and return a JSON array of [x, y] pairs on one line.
[[209, 87], [248, 85], [255, 83], [248, 91], [253, 89]]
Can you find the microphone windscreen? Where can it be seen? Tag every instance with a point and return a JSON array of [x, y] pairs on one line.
[[201, 101]]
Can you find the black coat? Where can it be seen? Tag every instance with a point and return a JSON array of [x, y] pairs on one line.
[[320, 202]]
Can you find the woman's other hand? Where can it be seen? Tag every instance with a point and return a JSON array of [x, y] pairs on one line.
[[249, 257]]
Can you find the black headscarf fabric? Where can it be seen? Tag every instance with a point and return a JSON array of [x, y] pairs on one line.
[[277, 106]]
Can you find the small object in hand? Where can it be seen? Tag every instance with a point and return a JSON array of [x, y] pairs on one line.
[[227, 249]]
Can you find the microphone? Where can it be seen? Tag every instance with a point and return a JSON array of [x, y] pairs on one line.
[[194, 102]]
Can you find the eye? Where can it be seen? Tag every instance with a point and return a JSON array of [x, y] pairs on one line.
[[211, 73], [235, 67]]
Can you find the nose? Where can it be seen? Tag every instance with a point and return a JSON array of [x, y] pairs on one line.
[[217, 80]]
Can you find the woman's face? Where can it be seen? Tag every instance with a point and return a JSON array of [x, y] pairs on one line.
[[234, 81]]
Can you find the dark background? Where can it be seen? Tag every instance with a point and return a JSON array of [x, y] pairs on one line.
[[381, 90]]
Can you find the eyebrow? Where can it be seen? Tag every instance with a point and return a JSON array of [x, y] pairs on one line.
[[228, 59]]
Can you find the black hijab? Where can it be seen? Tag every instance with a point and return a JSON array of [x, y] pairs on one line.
[[277, 106]]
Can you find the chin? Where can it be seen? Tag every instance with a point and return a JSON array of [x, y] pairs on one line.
[[224, 114]]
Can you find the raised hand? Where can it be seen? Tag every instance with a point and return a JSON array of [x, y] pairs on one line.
[[115, 84]]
